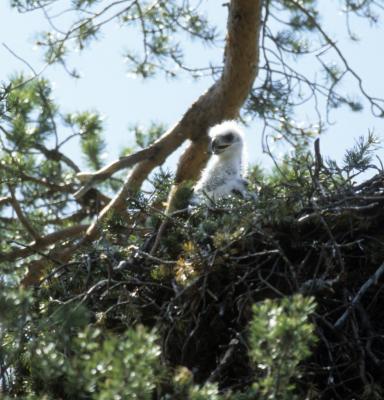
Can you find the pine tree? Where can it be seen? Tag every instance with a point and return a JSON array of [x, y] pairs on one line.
[[274, 298]]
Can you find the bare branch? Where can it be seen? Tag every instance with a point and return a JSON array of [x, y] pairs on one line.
[[22, 218], [44, 242], [377, 104], [35, 74], [90, 178], [5, 200], [373, 280], [57, 155], [64, 188], [23, 60]]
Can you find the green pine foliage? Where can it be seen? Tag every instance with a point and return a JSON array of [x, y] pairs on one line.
[[89, 332], [280, 338], [116, 322], [269, 298], [54, 350]]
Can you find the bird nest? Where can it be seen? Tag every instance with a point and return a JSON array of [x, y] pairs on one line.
[[214, 264]]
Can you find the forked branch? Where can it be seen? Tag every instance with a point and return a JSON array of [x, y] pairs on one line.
[[221, 101]]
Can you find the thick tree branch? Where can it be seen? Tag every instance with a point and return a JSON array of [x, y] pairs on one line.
[[222, 101]]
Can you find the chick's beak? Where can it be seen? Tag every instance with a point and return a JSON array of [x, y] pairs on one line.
[[216, 147]]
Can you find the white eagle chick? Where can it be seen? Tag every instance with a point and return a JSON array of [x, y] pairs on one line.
[[226, 170]]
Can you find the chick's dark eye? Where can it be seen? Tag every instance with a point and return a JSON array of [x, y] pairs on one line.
[[229, 137]]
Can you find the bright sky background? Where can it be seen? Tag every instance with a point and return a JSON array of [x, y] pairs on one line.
[[125, 101]]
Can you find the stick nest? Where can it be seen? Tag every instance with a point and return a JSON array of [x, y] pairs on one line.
[[213, 264]]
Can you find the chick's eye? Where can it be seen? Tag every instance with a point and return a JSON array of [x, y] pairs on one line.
[[229, 137]]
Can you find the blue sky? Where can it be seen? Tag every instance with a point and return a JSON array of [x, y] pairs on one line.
[[123, 100]]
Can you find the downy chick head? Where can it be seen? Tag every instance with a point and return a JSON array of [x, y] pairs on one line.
[[226, 140]]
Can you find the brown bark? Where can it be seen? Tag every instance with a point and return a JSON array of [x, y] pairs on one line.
[[225, 98], [222, 101]]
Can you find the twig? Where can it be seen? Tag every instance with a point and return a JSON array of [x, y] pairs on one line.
[[21, 59], [375, 102], [258, 254], [56, 155], [225, 360], [318, 167], [370, 282], [156, 259], [58, 269], [35, 73], [318, 158], [337, 211]]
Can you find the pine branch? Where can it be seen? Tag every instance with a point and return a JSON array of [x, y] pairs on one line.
[[44, 242], [22, 217]]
